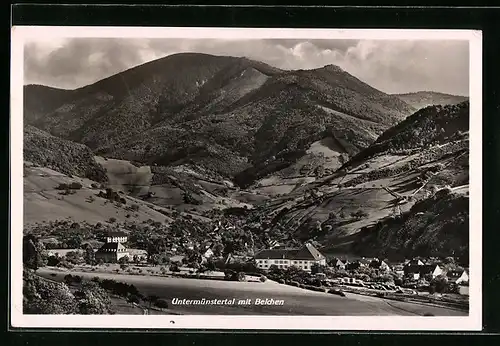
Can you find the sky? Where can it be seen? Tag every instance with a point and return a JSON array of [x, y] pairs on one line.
[[388, 65]]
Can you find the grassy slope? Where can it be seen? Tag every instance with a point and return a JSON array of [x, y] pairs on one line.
[[42, 202]]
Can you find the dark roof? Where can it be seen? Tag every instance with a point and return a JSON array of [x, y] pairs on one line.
[[307, 252], [116, 234], [414, 261], [422, 269], [111, 246]]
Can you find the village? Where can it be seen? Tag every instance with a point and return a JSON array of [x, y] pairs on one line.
[[429, 280]]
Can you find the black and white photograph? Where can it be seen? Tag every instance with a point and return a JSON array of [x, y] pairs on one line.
[[246, 178]]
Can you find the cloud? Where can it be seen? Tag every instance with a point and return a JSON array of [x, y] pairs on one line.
[[391, 66]]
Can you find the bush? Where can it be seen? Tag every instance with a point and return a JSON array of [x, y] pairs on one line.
[[262, 279], [133, 299], [174, 268], [161, 303]]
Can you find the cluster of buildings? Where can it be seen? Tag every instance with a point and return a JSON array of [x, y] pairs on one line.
[[412, 270], [307, 256]]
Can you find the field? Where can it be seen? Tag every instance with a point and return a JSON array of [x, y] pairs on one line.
[[297, 301]]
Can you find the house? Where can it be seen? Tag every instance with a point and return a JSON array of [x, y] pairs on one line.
[[457, 276], [113, 249], [111, 252], [417, 271], [338, 264], [380, 265], [302, 258]]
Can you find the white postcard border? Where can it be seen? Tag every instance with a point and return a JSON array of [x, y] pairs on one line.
[[383, 323]]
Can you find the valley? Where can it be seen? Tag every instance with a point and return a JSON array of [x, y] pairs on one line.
[[196, 152]]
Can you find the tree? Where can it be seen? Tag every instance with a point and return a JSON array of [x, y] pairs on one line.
[[33, 256], [132, 298], [89, 255], [316, 268], [135, 259], [75, 241], [155, 259], [155, 246], [43, 297], [74, 257], [123, 260], [53, 261], [218, 250], [439, 284], [93, 300], [152, 299]]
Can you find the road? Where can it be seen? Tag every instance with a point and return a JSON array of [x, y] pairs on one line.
[[296, 301]]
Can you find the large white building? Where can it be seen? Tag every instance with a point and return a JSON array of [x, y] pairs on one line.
[[302, 258], [113, 249]]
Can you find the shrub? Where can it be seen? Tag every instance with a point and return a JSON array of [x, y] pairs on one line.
[[62, 186], [133, 299], [161, 303], [75, 186], [262, 279], [134, 207], [112, 220]]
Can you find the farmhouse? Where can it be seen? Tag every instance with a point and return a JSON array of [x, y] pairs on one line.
[[302, 258], [457, 276], [113, 249], [380, 265]]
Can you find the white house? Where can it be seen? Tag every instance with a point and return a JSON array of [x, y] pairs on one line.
[[302, 258], [457, 276], [209, 253], [111, 252], [113, 249]]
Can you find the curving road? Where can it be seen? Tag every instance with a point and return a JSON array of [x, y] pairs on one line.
[[296, 301]]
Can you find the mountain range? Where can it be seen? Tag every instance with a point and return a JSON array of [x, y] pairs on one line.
[[305, 150], [234, 116], [422, 99]]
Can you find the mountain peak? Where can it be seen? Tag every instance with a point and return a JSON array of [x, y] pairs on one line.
[[332, 68]]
